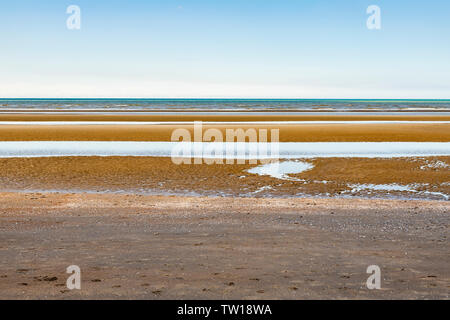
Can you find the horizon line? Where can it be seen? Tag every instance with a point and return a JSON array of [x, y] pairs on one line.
[[227, 98]]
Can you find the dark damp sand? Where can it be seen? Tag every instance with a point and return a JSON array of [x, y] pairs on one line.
[[150, 247]]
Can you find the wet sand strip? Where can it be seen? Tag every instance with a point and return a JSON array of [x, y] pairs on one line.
[[214, 116]]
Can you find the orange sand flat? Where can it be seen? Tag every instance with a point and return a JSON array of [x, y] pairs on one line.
[[329, 176], [288, 133]]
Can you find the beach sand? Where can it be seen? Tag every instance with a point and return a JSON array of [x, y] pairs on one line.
[[155, 247], [145, 228]]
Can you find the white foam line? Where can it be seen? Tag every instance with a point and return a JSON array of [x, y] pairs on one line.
[[286, 150], [392, 187], [78, 123], [381, 187]]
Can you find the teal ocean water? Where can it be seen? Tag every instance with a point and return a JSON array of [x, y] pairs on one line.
[[227, 104]]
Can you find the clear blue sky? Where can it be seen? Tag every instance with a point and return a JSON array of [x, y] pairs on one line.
[[229, 48]]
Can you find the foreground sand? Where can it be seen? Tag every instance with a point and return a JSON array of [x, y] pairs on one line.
[[154, 247]]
